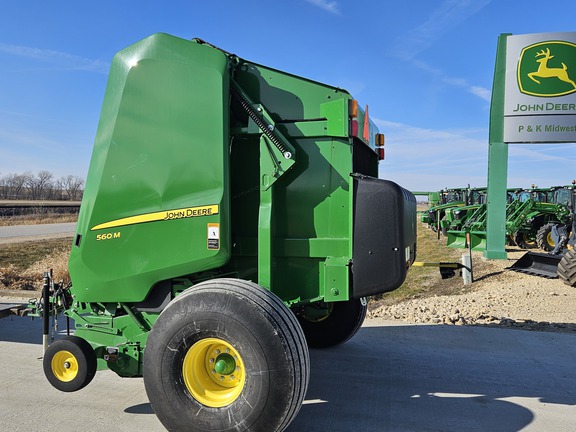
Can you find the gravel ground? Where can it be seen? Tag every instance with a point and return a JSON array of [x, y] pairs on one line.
[[498, 297]]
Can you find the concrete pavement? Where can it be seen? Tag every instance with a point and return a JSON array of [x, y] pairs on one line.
[[15, 233], [389, 377]]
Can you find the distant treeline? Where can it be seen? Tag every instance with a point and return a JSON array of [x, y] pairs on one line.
[[41, 186]]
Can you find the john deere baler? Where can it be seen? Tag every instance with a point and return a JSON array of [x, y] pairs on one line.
[[232, 216]]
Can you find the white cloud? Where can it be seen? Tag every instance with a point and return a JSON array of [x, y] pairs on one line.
[[421, 159], [427, 159], [447, 16], [60, 59], [481, 92], [31, 140], [329, 6]]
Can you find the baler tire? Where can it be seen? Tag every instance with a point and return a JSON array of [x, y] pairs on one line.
[[267, 380], [341, 323], [567, 268], [69, 363], [544, 239]]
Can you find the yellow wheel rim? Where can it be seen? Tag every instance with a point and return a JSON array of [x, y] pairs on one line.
[[550, 240], [213, 372], [526, 239], [64, 366]]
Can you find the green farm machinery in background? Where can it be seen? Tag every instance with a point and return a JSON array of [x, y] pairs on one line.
[[543, 209], [456, 217], [232, 217], [446, 199], [453, 209], [467, 226], [559, 239], [528, 213], [563, 198]]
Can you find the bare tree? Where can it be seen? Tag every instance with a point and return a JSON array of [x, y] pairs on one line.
[[13, 185], [40, 186], [72, 186]]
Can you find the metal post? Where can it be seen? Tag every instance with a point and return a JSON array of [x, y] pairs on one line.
[[466, 273], [469, 246], [46, 311]]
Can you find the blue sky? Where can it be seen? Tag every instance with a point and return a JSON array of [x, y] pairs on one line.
[[424, 67]]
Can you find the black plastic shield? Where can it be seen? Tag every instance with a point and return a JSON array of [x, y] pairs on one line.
[[384, 230]]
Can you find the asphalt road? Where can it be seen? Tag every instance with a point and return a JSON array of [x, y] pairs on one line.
[[389, 377], [10, 234]]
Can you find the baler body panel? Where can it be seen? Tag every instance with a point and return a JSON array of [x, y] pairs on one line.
[[158, 175], [312, 205], [177, 183]]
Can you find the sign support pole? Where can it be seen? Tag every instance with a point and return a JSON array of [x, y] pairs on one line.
[[497, 162]]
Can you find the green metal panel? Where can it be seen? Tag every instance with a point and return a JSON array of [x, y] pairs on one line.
[[158, 172], [311, 202], [497, 162]]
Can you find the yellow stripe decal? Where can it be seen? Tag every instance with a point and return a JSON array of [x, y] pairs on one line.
[[161, 216]]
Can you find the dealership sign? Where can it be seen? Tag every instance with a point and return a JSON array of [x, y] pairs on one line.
[[540, 88]]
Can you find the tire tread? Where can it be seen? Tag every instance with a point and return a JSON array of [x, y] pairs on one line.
[[567, 268]]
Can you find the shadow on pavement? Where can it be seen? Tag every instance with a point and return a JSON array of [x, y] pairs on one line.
[[29, 330], [437, 378], [144, 408]]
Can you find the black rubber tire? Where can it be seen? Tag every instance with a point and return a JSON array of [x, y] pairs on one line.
[[567, 268], [522, 240], [542, 237], [343, 320], [82, 355], [259, 327]]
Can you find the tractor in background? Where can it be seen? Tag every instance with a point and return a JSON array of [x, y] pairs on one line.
[[560, 261]]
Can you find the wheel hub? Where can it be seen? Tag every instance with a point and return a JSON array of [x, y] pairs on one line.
[[225, 364], [64, 366], [213, 372]]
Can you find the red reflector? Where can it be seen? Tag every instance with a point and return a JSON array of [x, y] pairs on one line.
[[354, 128], [366, 133], [380, 151]]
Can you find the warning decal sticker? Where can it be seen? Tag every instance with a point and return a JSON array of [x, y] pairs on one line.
[[214, 236]]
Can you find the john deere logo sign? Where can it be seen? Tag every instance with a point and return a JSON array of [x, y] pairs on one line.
[[548, 69], [539, 88]]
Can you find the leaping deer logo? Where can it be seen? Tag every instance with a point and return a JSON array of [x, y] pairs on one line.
[[545, 72]]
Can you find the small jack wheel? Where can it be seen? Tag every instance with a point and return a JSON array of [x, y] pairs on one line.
[[69, 364]]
